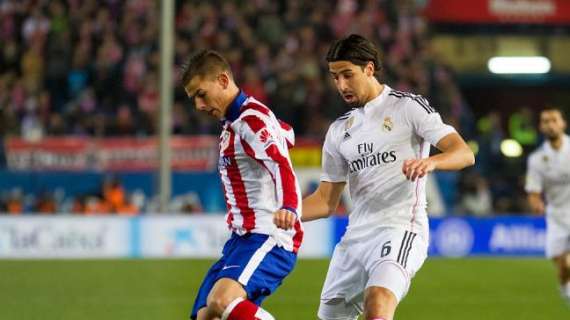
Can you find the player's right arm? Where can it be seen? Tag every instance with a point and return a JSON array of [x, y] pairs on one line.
[[535, 202], [323, 202], [533, 186]]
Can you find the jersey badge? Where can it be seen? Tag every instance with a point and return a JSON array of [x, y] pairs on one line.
[[388, 125], [348, 123], [225, 141]]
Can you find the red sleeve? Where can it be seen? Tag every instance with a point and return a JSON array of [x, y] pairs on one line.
[[267, 146]]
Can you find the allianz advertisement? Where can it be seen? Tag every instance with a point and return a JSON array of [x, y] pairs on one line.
[[467, 236], [505, 236], [202, 236]]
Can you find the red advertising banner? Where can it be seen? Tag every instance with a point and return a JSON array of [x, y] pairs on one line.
[[548, 12], [65, 154], [110, 154], [127, 154]]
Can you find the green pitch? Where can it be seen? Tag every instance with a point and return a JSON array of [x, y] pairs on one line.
[[164, 289]]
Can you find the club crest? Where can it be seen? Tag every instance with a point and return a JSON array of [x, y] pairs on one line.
[[388, 125], [348, 123], [224, 140]]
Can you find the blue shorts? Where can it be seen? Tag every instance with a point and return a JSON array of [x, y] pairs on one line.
[[255, 261]]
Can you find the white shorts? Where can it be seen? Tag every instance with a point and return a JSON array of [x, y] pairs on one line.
[[557, 237], [389, 259]]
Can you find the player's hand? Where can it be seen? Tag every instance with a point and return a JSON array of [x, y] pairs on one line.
[[537, 207], [284, 219], [417, 168]]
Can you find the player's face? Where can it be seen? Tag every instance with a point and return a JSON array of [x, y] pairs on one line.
[[351, 82], [552, 125], [207, 94]]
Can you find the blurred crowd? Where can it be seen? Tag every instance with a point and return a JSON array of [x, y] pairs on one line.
[[112, 198], [88, 67]]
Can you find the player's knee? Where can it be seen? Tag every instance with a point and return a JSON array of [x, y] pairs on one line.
[[217, 303], [202, 314], [378, 296], [379, 302], [566, 260]]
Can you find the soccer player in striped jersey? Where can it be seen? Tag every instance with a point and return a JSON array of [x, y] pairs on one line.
[[262, 194], [382, 148], [548, 173]]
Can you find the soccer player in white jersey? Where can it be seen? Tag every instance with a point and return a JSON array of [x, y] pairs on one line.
[[548, 173], [381, 147], [261, 190]]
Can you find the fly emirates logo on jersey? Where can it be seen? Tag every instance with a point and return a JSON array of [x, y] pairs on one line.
[[370, 159]]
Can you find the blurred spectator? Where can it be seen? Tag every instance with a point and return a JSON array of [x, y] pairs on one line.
[[46, 204], [522, 127], [113, 194], [187, 203], [475, 196], [113, 199], [15, 202], [491, 134]]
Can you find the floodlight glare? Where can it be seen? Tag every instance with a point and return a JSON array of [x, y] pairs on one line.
[[519, 65]]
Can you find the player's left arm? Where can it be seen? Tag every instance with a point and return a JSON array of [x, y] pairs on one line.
[[261, 143], [534, 186], [427, 124], [455, 155]]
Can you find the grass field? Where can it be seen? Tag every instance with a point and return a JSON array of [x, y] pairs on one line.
[[164, 289]]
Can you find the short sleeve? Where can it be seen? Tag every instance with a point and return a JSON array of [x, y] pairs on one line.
[[533, 181], [335, 168], [426, 121], [261, 141]]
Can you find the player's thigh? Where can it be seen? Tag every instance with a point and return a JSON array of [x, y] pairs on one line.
[[259, 265], [557, 239], [345, 277], [264, 274], [207, 284], [394, 260], [225, 291], [338, 309]]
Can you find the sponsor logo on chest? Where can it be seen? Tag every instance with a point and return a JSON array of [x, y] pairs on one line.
[[368, 158]]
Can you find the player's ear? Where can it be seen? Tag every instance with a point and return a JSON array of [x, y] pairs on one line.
[[224, 79], [369, 69]]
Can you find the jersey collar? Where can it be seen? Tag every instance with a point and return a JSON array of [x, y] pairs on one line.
[[378, 101], [565, 145], [234, 109]]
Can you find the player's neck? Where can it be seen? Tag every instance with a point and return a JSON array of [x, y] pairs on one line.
[[233, 92], [556, 143], [376, 89]]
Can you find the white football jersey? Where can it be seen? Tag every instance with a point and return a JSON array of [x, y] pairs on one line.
[[548, 171], [367, 146]]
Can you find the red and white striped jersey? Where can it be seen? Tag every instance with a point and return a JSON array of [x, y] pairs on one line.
[[256, 171]]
